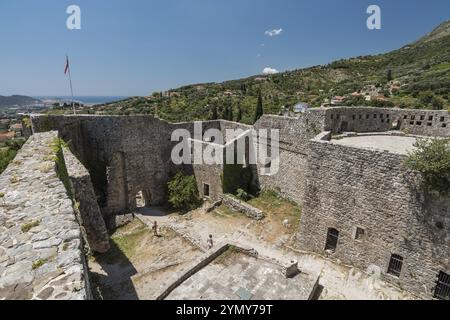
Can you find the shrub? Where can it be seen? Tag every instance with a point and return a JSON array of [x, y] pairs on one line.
[[242, 194], [432, 159], [183, 192]]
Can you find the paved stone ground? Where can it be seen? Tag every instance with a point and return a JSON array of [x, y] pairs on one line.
[[394, 144], [236, 276], [340, 282]]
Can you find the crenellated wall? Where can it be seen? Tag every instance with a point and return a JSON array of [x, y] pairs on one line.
[[367, 119]]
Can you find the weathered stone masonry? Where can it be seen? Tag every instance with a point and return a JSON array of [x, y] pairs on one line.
[[348, 189], [41, 243]]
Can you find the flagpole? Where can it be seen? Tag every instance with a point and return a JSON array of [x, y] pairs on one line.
[[71, 88]]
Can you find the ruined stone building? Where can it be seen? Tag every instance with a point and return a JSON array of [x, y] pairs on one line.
[[361, 206]]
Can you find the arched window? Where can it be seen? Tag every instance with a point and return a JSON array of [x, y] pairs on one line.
[[332, 239]]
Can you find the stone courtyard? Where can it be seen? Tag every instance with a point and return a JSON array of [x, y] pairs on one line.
[[148, 269]]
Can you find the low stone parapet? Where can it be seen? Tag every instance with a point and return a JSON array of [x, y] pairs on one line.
[[90, 216], [241, 206]]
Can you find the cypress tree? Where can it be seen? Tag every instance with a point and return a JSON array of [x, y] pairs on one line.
[[230, 113], [214, 115], [239, 115], [225, 112], [259, 107], [389, 75]]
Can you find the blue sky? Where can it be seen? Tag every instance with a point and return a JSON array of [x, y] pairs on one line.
[[136, 47]]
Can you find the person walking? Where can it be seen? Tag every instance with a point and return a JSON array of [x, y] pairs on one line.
[[210, 242], [155, 229]]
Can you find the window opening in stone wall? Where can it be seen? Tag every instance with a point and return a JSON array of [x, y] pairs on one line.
[[140, 200], [442, 290], [360, 234], [442, 119], [430, 118], [422, 117], [413, 117], [395, 265], [206, 190], [332, 240], [367, 116], [419, 123], [444, 125]]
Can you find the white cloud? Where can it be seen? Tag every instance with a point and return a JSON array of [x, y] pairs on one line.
[[269, 70], [274, 32]]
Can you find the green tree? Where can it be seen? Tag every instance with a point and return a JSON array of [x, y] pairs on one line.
[[239, 114], [437, 103], [230, 113], [389, 75], [259, 107], [183, 192], [426, 97], [432, 159], [214, 115]]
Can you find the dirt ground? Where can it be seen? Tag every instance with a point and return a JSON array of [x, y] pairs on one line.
[[139, 263]]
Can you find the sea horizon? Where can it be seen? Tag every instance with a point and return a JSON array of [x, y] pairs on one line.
[[87, 100]]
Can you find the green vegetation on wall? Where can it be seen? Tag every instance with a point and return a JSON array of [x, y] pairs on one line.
[[432, 159], [183, 192]]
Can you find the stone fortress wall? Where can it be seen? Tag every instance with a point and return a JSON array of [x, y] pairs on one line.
[[41, 243], [339, 187], [352, 189]]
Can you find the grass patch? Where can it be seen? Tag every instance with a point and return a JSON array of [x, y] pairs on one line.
[[39, 263], [28, 226], [272, 204], [124, 243], [441, 66], [225, 212]]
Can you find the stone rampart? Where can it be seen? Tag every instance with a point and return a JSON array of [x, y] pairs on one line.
[[41, 244]]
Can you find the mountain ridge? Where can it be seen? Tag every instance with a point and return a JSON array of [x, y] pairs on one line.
[[17, 100], [415, 76]]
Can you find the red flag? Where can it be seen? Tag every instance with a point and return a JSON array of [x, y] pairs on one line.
[[67, 65]]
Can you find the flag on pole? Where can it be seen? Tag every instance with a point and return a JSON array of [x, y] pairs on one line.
[[66, 68]]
